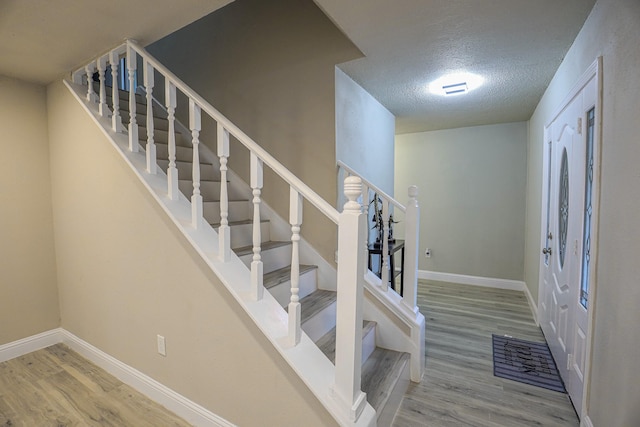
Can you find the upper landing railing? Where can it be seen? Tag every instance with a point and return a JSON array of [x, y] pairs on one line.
[[351, 222], [385, 213]]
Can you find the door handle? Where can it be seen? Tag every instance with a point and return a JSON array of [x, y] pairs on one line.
[[546, 251]]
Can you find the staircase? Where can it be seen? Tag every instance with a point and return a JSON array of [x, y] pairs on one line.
[[228, 203]]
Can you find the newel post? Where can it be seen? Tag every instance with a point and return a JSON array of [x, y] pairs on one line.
[[412, 248], [352, 229]]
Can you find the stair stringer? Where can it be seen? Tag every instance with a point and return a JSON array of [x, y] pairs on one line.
[[306, 359]]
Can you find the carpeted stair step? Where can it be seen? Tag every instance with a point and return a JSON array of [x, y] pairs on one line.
[[278, 282], [327, 343]]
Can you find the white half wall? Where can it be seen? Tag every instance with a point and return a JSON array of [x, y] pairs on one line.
[[365, 132]]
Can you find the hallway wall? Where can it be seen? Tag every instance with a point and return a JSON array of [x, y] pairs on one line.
[[611, 31], [28, 291], [471, 184]]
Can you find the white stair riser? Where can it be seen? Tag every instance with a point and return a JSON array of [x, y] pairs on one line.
[[210, 190], [162, 136], [182, 153], [321, 323], [242, 235], [185, 171], [159, 123], [368, 343], [238, 211], [308, 284], [272, 259]]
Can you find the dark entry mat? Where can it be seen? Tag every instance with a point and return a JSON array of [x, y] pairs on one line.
[[525, 361]]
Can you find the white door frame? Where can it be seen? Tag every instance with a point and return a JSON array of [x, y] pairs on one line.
[[594, 70]]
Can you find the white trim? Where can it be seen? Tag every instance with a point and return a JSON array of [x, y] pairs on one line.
[[586, 422], [180, 405], [532, 304], [489, 282], [29, 344]]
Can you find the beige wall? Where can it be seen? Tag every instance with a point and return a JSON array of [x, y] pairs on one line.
[[611, 31], [471, 184], [28, 293], [269, 67], [126, 274]]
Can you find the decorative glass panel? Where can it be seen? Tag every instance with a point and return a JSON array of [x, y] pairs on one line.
[[563, 207], [586, 232]]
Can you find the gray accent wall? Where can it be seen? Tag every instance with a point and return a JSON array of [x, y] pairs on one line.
[[471, 184], [613, 32]]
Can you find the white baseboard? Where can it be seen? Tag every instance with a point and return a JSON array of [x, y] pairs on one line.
[[586, 422], [30, 344], [180, 405], [514, 285], [532, 305]]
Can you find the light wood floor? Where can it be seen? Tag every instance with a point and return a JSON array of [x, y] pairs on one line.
[[56, 387], [458, 387]]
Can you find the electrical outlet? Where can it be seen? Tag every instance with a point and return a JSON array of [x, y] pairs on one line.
[[427, 253], [162, 345]]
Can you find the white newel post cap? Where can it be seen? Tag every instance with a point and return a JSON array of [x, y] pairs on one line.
[[352, 190], [413, 191]]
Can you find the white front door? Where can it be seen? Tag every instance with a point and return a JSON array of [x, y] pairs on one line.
[[567, 227]]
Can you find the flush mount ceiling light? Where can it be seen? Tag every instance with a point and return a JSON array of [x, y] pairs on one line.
[[455, 84]]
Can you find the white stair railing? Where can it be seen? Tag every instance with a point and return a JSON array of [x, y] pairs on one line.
[[351, 223], [411, 214]]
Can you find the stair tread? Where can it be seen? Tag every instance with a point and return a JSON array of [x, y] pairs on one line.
[[265, 246], [380, 373], [316, 302], [202, 162], [283, 274], [241, 222], [327, 343]]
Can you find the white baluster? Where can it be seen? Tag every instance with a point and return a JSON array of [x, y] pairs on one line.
[[352, 228], [103, 108], [256, 265], [172, 171], [152, 165], [412, 248], [365, 205], [133, 123], [195, 124], [91, 95], [295, 219], [384, 258], [224, 232], [116, 120]]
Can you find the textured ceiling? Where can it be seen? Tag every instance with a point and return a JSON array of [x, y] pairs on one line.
[[42, 39], [516, 45]]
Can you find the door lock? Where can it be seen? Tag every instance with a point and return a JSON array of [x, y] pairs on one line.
[[546, 251]]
